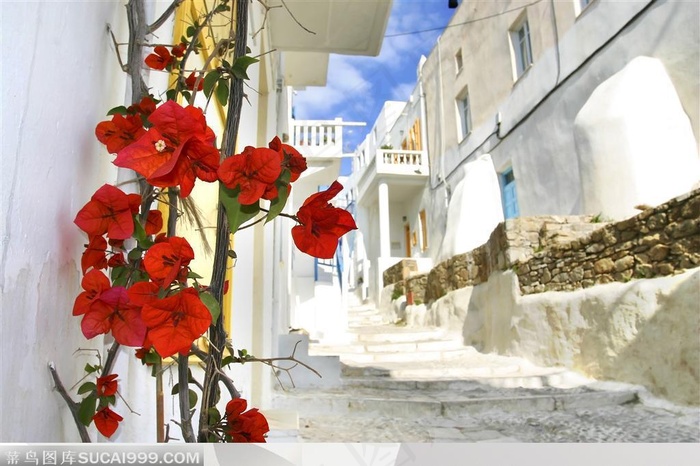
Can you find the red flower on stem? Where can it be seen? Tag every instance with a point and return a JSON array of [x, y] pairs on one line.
[[176, 321], [167, 261], [252, 171], [94, 283], [107, 385], [178, 149], [109, 211], [291, 159], [192, 80], [321, 224], [154, 222], [107, 421], [114, 312], [179, 50], [160, 59], [95, 254], [248, 426], [119, 132]]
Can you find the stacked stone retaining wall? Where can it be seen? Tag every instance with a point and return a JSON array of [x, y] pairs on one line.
[[564, 253]]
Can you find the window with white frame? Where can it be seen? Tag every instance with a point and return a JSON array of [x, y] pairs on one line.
[[464, 114], [521, 46], [458, 61]]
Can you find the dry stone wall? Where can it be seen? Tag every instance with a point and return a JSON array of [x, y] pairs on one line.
[[658, 242], [564, 253]]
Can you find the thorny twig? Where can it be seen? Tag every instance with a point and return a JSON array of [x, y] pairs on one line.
[[72, 405]]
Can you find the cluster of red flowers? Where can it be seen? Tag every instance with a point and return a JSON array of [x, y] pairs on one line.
[[146, 301], [106, 420]]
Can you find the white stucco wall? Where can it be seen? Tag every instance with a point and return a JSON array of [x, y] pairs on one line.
[[642, 332], [60, 76], [474, 209], [634, 142]]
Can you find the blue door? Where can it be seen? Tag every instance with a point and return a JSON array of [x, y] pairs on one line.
[[510, 199]]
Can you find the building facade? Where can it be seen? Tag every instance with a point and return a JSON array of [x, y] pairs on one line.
[[58, 83], [536, 108]]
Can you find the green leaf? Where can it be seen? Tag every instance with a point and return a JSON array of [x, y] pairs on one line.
[[193, 399], [236, 213], [89, 368], [176, 389], [222, 92], [240, 66], [87, 409], [120, 110], [192, 274], [278, 203], [190, 31], [120, 275], [151, 358], [212, 304], [87, 387], [186, 95], [214, 416], [209, 81], [227, 360], [135, 254], [171, 94]]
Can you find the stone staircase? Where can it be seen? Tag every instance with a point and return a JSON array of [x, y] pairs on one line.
[[430, 387]]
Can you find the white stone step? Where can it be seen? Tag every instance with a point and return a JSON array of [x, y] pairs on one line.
[[394, 334], [403, 356], [382, 347]]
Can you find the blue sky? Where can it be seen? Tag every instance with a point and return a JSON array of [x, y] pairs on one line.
[[357, 87]]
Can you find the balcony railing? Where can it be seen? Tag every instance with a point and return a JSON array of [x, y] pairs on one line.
[[410, 163], [320, 138]]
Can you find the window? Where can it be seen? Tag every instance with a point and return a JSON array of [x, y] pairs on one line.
[[522, 49], [458, 61], [580, 5], [508, 194], [464, 114], [423, 231]]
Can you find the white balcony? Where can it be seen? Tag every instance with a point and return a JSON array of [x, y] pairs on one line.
[[401, 169], [319, 139]]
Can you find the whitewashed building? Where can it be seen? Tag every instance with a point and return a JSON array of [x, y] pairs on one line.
[[60, 77], [532, 108]]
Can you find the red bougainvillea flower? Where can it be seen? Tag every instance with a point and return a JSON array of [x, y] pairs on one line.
[[116, 260], [176, 150], [249, 426], [143, 108], [119, 132], [107, 385], [252, 171], [107, 421], [109, 211], [113, 311], [179, 50], [192, 80], [291, 159], [321, 224], [154, 222], [95, 254], [141, 293], [94, 283], [168, 260], [160, 58], [176, 321]]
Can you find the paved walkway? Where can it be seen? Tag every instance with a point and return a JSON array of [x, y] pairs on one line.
[[421, 385]]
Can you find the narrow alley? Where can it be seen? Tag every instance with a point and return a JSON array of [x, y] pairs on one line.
[[402, 384]]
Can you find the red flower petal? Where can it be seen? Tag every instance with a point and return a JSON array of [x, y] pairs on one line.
[[108, 211], [107, 385], [176, 321], [95, 254], [164, 261], [160, 59], [252, 171], [154, 222], [119, 132], [94, 283], [107, 421], [291, 159]]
